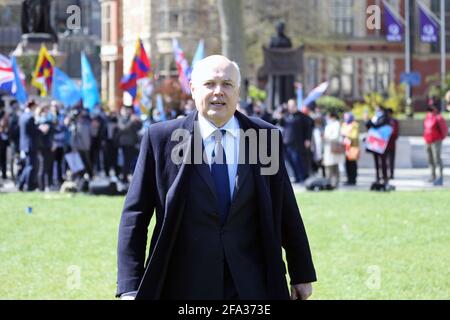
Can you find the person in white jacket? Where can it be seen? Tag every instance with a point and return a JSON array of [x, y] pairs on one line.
[[333, 149]]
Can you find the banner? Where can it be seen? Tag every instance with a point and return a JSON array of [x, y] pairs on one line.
[[428, 24], [393, 24], [378, 138]]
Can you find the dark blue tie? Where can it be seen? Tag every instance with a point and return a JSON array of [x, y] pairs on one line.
[[219, 172]]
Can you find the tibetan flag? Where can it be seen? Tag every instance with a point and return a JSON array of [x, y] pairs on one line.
[[64, 89], [19, 92], [429, 25], [43, 73], [89, 88], [141, 64], [182, 67], [393, 24], [140, 68]]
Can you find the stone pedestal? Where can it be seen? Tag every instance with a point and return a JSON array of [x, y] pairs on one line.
[[27, 52], [30, 44], [282, 67]]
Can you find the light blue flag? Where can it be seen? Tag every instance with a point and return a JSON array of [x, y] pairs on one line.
[[20, 93], [199, 53], [64, 89], [89, 88], [160, 107]]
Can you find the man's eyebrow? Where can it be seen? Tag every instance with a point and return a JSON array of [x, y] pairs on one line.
[[214, 80]]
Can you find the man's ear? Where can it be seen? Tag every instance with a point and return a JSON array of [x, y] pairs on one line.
[[192, 88]]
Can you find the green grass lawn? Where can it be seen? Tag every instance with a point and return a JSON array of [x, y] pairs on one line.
[[365, 245]]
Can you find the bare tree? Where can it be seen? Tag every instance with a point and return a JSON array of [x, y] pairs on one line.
[[232, 32]]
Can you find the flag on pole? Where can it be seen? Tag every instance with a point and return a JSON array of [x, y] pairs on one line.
[[316, 93], [182, 67], [64, 89], [19, 92], [428, 24], [160, 107], [43, 73], [136, 82], [199, 53], [393, 24], [6, 75], [12, 79], [89, 88]]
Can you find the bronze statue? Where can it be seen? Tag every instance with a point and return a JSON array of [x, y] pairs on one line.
[[282, 83], [36, 17], [280, 40]]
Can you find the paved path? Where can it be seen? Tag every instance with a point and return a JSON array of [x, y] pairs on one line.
[[405, 180]]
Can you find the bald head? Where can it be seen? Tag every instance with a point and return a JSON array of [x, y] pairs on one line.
[[214, 61], [215, 83]]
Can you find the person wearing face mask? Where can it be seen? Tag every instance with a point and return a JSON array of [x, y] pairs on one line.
[[350, 132], [129, 125], [435, 131], [45, 155], [379, 120]]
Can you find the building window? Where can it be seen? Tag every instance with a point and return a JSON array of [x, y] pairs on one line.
[[436, 8], [174, 21], [347, 76], [342, 77], [312, 73], [106, 21], [342, 21], [376, 75]]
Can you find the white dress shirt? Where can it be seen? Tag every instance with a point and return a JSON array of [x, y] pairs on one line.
[[230, 143]]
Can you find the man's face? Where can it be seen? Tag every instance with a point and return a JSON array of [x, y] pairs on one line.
[[216, 91], [292, 106]]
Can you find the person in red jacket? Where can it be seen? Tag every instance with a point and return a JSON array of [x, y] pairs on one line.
[[435, 131]]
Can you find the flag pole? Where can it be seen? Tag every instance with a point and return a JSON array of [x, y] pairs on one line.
[[408, 53], [443, 52]]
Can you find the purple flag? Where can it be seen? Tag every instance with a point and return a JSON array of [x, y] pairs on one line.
[[393, 24], [429, 28]]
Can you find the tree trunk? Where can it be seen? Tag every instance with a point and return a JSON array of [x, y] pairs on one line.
[[232, 34]]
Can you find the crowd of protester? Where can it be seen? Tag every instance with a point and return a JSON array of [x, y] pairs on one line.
[[44, 140]]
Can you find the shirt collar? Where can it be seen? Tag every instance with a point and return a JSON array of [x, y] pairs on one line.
[[207, 128]]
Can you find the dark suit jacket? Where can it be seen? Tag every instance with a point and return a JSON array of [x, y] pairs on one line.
[[29, 133], [297, 129], [160, 186]]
